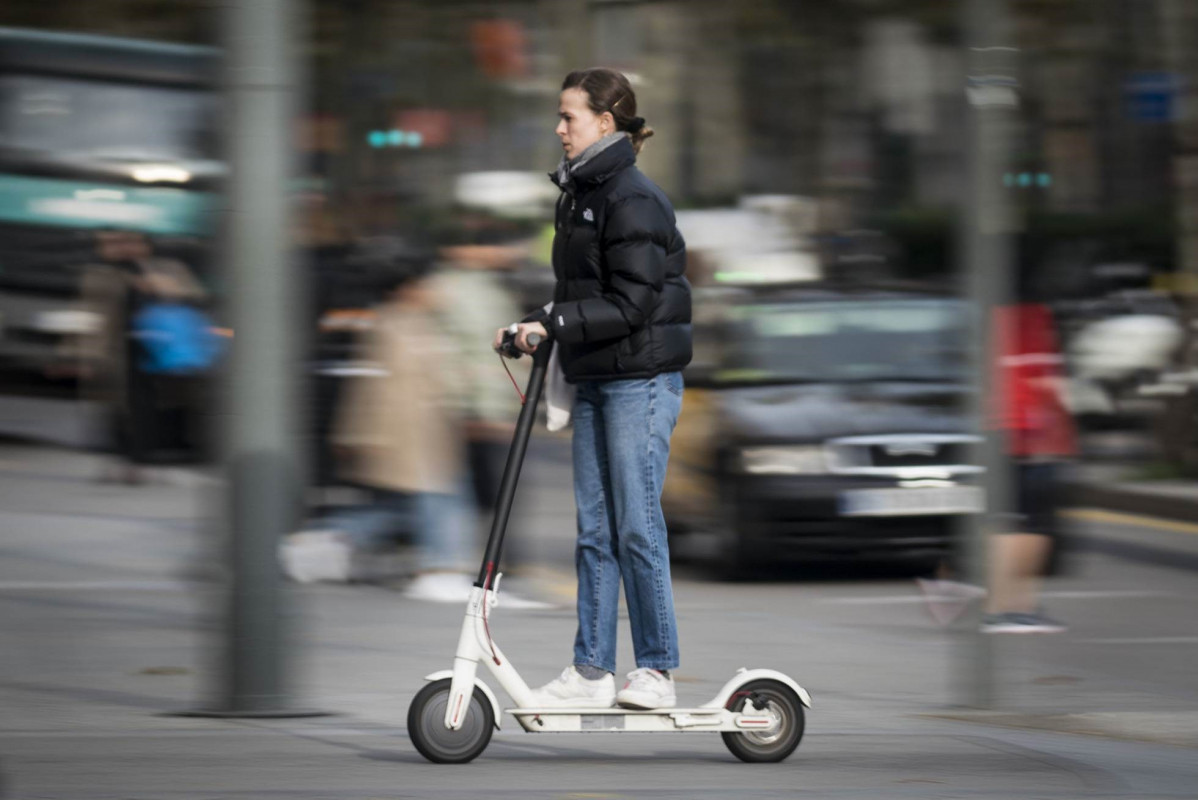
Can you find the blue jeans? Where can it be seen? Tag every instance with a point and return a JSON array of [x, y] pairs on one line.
[[621, 444], [436, 521]]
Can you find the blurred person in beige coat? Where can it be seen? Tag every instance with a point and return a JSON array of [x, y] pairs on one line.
[[472, 280], [399, 437]]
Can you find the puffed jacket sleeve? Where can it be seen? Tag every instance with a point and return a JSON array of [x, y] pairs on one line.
[[633, 243]]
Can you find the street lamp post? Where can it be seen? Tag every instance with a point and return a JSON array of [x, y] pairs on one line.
[[259, 433], [987, 231]]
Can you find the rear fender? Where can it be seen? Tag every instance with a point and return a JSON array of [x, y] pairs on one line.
[[744, 676]]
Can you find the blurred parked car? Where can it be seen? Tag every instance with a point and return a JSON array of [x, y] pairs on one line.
[[823, 423]]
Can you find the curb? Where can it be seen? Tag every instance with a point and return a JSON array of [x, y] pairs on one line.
[[1159, 545], [1131, 501]]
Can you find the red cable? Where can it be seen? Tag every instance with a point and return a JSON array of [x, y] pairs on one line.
[[487, 627], [732, 700], [512, 378]]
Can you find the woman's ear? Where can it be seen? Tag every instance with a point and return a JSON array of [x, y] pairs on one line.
[[607, 123]]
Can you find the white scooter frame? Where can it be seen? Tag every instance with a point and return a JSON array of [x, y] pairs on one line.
[[759, 711], [475, 647]]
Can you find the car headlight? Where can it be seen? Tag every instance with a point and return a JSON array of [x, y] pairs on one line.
[[805, 460]]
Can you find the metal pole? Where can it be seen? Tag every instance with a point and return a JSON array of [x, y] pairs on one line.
[[261, 458], [992, 102]]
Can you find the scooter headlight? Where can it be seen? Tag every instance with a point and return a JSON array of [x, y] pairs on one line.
[[797, 460]]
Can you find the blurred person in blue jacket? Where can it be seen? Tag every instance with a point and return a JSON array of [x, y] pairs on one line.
[[143, 355]]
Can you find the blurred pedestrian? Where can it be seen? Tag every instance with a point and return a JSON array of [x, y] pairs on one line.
[[471, 281], [620, 322], [148, 343], [1038, 438], [400, 439]]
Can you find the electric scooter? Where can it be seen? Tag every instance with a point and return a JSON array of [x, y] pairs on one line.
[[759, 712]]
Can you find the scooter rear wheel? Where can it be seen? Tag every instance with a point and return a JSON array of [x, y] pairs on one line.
[[439, 744], [779, 741]]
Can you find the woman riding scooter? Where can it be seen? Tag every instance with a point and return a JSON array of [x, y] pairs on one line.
[[621, 321]]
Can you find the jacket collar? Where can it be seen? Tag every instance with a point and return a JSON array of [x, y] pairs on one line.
[[595, 164]]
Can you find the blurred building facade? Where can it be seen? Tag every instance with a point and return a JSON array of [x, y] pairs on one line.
[[854, 104], [850, 113]]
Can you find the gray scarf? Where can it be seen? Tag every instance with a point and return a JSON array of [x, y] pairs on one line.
[[567, 166]]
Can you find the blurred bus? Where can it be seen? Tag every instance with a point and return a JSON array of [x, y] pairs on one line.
[[96, 134]]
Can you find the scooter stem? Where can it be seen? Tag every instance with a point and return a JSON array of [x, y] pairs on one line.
[[515, 459]]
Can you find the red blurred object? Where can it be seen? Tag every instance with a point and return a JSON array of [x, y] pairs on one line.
[[434, 125], [500, 48], [1029, 372], [319, 133]]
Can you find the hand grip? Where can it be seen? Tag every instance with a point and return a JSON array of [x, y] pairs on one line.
[[508, 349]]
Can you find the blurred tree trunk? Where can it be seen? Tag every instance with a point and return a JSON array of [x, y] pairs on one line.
[[1179, 19]]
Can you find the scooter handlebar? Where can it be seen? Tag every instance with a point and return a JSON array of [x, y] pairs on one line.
[[507, 347]]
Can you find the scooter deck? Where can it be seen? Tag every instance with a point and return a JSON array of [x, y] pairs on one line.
[[611, 710], [631, 720]]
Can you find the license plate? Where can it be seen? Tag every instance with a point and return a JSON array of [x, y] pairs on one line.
[[911, 502]]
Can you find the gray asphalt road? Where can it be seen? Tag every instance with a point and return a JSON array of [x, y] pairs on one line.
[[103, 629]]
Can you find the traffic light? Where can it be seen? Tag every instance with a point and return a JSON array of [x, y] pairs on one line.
[[1025, 180]]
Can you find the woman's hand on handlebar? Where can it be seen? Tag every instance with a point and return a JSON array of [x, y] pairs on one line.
[[523, 331]]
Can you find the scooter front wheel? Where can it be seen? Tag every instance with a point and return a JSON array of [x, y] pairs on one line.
[[439, 744], [780, 740]]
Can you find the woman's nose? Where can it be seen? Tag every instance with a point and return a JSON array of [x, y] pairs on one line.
[[560, 130]]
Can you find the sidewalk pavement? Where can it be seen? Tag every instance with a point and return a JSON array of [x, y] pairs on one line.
[[105, 632]]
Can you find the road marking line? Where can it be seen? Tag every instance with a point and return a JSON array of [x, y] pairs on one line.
[[868, 601], [252, 730], [1057, 595], [94, 586], [1146, 640], [1065, 594], [1134, 520]]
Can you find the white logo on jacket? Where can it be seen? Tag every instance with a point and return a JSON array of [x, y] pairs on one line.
[[588, 215]]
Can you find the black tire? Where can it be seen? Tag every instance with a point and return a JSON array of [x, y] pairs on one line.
[[440, 745], [774, 745]]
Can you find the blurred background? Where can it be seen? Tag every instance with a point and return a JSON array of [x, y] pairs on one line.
[[818, 157], [800, 143]]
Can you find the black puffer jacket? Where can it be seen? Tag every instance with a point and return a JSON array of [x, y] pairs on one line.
[[622, 305]]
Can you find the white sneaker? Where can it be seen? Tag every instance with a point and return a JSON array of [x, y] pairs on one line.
[[571, 689], [313, 556], [647, 689], [440, 587]]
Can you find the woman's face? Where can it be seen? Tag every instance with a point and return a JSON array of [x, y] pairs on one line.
[[578, 126]]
